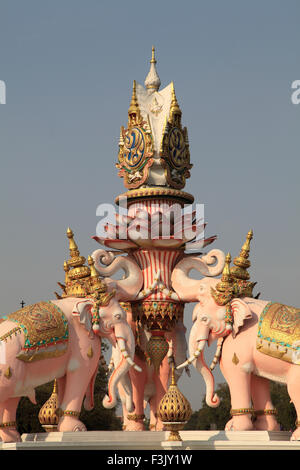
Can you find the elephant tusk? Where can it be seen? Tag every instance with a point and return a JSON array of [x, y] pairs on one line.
[[217, 354], [145, 292], [167, 292], [122, 347], [196, 354]]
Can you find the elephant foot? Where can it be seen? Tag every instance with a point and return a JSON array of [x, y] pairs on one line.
[[159, 426], [266, 423], [134, 426], [296, 435], [239, 423], [10, 435], [70, 424]]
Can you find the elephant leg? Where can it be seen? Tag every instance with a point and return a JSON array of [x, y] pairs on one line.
[[293, 388], [153, 414], [75, 388], [239, 382], [122, 395], [263, 406], [135, 421], [8, 429], [61, 384]]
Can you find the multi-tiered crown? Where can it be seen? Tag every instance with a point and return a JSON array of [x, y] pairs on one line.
[[81, 280], [154, 157]]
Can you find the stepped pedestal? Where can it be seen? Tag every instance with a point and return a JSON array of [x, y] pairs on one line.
[[158, 441]]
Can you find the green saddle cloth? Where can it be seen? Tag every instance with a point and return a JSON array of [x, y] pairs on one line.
[[45, 328], [279, 332]]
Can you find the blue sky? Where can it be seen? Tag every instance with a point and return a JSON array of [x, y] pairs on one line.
[[68, 68]]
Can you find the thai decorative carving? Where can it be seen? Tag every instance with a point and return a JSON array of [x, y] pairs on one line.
[[175, 153], [135, 147]]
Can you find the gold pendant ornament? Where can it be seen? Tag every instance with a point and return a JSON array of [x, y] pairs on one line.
[[174, 410]]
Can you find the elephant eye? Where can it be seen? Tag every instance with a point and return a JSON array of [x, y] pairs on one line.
[[117, 316]]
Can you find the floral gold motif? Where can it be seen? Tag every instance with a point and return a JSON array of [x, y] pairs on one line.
[[279, 332], [45, 329]]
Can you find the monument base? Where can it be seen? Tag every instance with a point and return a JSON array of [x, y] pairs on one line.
[[146, 440]]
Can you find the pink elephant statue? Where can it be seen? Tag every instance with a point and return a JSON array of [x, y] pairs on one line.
[[258, 341], [148, 386], [62, 339]]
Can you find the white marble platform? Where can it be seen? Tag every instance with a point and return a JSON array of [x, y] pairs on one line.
[[146, 440]]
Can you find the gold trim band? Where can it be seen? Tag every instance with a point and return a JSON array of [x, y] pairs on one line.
[[241, 411], [59, 412], [8, 424], [135, 417], [266, 412]]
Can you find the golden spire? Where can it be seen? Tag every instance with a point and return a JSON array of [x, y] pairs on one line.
[[152, 81], [66, 269], [241, 262], [153, 60], [134, 110], [76, 284], [96, 282], [76, 260], [175, 111], [227, 279]]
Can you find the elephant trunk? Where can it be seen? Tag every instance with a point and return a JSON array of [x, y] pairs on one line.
[[126, 345], [211, 397], [131, 284], [197, 342], [210, 265]]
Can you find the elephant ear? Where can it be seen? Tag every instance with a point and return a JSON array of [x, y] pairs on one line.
[[241, 312], [82, 311]]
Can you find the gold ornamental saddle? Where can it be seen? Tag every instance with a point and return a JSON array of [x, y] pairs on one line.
[[279, 332], [45, 328]]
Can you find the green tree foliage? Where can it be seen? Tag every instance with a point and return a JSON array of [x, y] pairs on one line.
[[95, 420], [207, 418]]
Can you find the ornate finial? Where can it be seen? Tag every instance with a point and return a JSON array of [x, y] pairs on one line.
[[96, 282], [76, 272], [225, 289], [239, 270], [133, 107], [227, 279], [175, 111], [47, 415], [241, 262], [152, 81], [66, 269], [134, 114], [174, 409], [153, 60]]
